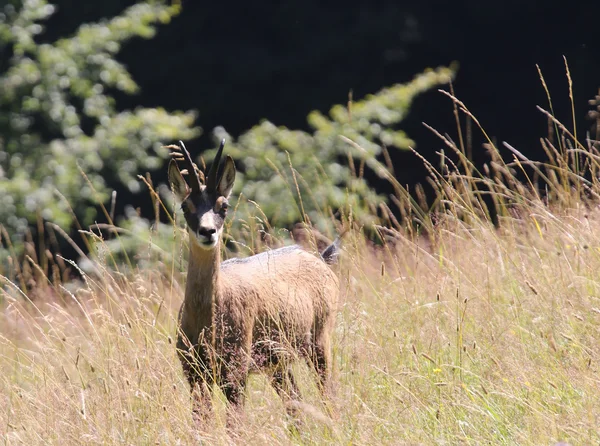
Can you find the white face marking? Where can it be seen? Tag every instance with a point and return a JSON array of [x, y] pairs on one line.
[[203, 240]]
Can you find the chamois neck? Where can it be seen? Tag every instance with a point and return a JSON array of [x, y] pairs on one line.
[[203, 275]]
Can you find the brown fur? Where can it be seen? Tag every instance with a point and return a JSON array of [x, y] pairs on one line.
[[243, 315]]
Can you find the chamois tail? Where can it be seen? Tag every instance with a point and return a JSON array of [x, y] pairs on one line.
[[331, 253]]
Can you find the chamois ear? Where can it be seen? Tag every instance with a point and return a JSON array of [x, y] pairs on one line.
[[177, 182], [227, 179]]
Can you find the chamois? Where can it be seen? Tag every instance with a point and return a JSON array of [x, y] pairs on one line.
[[248, 314]]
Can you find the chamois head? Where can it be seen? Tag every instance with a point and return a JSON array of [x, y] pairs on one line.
[[204, 203]]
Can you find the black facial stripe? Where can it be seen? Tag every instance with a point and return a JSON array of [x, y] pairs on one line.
[[192, 222]]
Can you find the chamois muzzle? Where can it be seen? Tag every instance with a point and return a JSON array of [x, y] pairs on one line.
[[207, 237]]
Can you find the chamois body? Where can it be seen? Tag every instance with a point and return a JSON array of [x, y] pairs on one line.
[[250, 314]]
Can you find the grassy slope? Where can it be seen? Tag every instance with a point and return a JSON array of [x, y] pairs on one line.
[[470, 335], [484, 336]]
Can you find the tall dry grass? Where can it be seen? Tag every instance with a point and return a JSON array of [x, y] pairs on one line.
[[453, 330]]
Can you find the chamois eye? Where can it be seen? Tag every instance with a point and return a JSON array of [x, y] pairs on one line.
[[221, 205], [187, 207]]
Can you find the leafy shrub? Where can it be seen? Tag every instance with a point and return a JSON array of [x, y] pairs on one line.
[[300, 176], [289, 176], [58, 116]]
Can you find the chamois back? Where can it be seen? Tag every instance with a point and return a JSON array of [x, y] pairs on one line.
[[287, 288]]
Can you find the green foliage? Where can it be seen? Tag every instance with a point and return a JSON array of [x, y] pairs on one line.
[[58, 115], [265, 194], [295, 175], [137, 242], [59, 118]]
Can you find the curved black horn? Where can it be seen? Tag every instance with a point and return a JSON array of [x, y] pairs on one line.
[[194, 180], [211, 180]]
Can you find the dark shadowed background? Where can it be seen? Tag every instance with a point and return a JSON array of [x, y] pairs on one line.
[[239, 62]]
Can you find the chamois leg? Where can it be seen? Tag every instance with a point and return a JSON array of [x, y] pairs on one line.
[[201, 403], [194, 361], [233, 387], [284, 383], [322, 360], [232, 381]]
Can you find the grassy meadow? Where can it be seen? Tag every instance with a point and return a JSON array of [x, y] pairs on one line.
[[451, 330]]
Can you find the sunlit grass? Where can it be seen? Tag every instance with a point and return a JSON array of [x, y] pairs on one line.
[[488, 336], [460, 333]]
